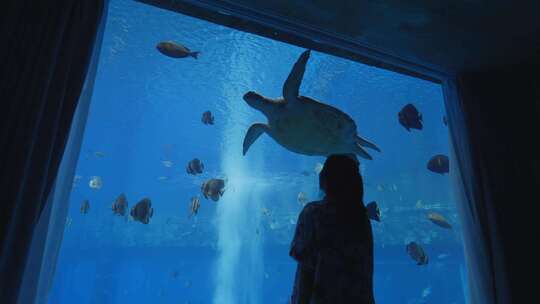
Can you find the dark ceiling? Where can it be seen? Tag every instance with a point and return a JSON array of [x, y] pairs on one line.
[[433, 38]]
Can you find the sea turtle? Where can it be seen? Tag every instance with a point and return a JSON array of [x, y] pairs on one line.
[[304, 125]]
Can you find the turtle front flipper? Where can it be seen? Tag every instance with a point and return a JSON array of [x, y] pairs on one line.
[[359, 150], [365, 143], [252, 134], [291, 87]]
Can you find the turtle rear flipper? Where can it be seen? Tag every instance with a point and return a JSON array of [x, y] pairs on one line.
[[365, 143], [359, 150], [252, 134]]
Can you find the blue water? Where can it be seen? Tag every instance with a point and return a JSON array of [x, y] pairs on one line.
[[146, 109]]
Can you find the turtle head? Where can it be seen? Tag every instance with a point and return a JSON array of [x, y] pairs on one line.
[[253, 99], [257, 101]]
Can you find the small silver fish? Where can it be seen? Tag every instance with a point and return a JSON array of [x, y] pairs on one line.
[[194, 206], [167, 163], [95, 182], [301, 198], [318, 168]]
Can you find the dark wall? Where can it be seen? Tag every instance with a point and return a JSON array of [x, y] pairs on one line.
[[495, 114]]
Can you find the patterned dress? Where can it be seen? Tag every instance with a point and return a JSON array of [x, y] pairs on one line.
[[334, 252]]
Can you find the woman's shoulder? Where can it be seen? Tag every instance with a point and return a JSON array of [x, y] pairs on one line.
[[313, 205], [311, 208]]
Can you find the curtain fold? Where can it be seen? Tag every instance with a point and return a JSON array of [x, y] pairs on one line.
[[49, 46], [493, 117], [462, 175], [48, 234]]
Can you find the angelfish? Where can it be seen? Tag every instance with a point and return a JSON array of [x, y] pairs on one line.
[[142, 211], [85, 206], [213, 189], [373, 211], [194, 167], [207, 118], [439, 164], [120, 205], [410, 118]]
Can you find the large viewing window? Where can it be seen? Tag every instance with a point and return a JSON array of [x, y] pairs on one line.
[[145, 124]]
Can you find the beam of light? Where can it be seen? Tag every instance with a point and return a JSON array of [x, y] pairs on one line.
[[239, 266]]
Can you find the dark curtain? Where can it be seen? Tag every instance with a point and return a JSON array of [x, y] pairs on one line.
[[493, 117], [45, 53]]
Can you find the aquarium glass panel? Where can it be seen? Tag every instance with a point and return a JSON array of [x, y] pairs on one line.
[[147, 223]]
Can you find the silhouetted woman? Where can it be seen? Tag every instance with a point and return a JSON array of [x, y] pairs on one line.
[[333, 242]]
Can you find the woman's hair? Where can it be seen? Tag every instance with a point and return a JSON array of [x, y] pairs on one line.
[[341, 181]]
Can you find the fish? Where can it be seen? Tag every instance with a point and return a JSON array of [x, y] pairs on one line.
[[167, 163], [142, 211], [266, 212], [85, 206], [443, 256], [213, 189], [99, 154], [95, 182], [207, 118], [445, 120], [301, 198], [175, 50], [426, 292], [194, 167], [305, 173], [373, 211], [69, 220], [410, 118], [439, 164], [419, 204], [439, 220], [194, 206], [120, 205], [162, 178], [416, 252], [76, 180], [274, 225], [318, 168]]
